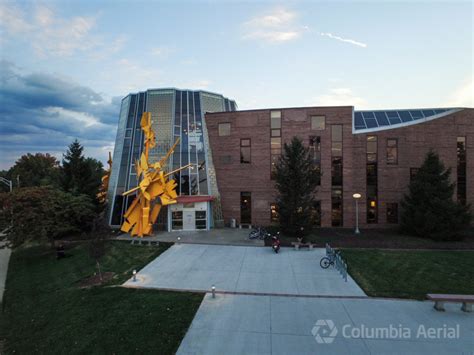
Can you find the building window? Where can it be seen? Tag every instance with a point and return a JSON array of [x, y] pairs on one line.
[[201, 220], [177, 220], [245, 151], [315, 152], [372, 179], [461, 170], [318, 122], [336, 175], [392, 151], [336, 207], [413, 172], [274, 218], [275, 140], [392, 212], [224, 129], [245, 208]]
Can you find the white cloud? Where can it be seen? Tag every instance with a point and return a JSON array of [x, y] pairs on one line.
[[340, 97], [197, 84], [275, 27], [346, 40], [80, 117], [12, 19], [463, 96], [51, 34]]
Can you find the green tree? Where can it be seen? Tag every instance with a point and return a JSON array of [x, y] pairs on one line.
[[44, 213], [35, 170], [296, 181], [81, 175], [428, 210]]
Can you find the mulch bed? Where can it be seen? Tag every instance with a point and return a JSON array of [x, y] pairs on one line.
[[95, 280]]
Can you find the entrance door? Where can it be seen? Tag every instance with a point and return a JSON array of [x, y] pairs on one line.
[[245, 208], [189, 221]]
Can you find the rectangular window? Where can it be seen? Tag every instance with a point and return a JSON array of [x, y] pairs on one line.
[[315, 152], [274, 213], [318, 122], [336, 207], [372, 179], [392, 151], [461, 170], [245, 208], [275, 140], [224, 129], [245, 151], [336, 176], [392, 212], [200, 219], [177, 220]]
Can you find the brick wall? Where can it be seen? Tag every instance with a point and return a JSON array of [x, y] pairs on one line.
[[413, 144]]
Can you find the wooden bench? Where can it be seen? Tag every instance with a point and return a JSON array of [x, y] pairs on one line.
[[299, 245], [441, 299]]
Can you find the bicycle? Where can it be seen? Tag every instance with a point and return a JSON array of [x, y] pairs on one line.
[[258, 233], [328, 260]]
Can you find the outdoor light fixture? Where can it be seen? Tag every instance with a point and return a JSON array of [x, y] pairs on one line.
[[213, 290], [357, 196], [134, 275], [179, 239]]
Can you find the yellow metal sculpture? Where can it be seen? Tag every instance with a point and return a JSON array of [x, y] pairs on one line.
[[102, 194], [155, 188]]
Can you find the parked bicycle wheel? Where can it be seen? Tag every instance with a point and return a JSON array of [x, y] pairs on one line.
[[325, 262]]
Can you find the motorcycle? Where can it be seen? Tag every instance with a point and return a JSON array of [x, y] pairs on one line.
[[276, 242]]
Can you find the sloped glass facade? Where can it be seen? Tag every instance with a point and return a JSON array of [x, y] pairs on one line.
[[175, 114]]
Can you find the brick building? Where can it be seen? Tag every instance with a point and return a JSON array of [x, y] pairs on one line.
[[373, 153]]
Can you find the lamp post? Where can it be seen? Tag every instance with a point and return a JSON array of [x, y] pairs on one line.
[[357, 196]]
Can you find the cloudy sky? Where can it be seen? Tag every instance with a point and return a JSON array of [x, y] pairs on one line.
[[65, 65]]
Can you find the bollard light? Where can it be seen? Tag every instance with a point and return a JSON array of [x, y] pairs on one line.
[[134, 275], [179, 240], [213, 290]]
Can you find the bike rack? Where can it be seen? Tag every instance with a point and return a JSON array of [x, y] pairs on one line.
[[339, 262]]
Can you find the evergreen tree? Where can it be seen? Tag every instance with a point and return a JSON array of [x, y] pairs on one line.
[[81, 175], [296, 180], [428, 210]]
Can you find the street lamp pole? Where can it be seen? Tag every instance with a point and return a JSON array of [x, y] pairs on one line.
[[357, 196]]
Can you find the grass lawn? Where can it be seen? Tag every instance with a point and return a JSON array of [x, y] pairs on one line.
[[381, 239], [411, 274], [45, 311]]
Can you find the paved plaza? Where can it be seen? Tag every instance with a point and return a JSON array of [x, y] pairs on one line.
[[244, 270], [241, 324]]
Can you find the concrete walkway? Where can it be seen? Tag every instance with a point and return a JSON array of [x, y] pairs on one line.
[[244, 270], [4, 259], [222, 236], [237, 324]]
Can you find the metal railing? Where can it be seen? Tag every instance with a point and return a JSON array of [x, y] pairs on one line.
[[337, 260]]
